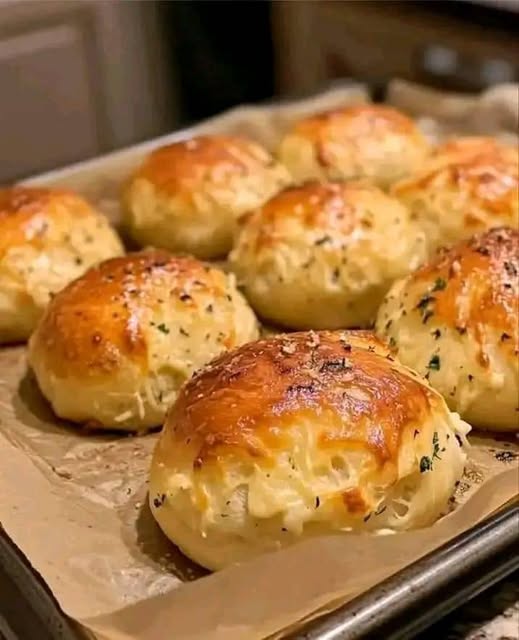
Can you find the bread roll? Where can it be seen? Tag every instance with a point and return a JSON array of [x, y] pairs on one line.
[[48, 237], [468, 186], [470, 145], [301, 435], [187, 196], [114, 347], [362, 141], [456, 321], [322, 255]]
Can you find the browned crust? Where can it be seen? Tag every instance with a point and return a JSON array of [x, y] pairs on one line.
[[328, 206], [353, 124], [354, 501], [489, 177], [96, 321], [243, 400], [472, 145], [182, 166], [477, 285], [27, 214]]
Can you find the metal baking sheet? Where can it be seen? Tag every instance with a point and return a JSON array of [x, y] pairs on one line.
[[397, 609], [400, 607]]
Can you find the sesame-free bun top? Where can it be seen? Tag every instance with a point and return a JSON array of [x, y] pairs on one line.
[[114, 347], [300, 435], [187, 196], [363, 141], [322, 255], [456, 321], [469, 185], [48, 237]]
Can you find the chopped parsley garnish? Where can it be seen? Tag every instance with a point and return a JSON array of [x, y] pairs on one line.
[[162, 327], [434, 363], [392, 342], [317, 502], [424, 301], [439, 285], [425, 464], [159, 500], [436, 446], [436, 333]]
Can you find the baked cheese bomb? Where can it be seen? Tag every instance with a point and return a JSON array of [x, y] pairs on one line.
[[322, 255], [114, 347], [470, 145], [187, 196], [455, 320], [300, 435], [48, 237], [468, 186], [363, 141]]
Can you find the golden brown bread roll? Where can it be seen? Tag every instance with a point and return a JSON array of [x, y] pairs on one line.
[[187, 196], [456, 320], [369, 141], [300, 435], [114, 347], [322, 255], [468, 185], [469, 145], [48, 237]]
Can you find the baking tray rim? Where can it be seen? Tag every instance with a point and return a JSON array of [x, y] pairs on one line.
[[364, 616]]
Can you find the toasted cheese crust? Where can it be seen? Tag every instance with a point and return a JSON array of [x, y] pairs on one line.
[[369, 141], [455, 320], [468, 186], [114, 347], [187, 196], [48, 237], [301, 434], [322, 255]]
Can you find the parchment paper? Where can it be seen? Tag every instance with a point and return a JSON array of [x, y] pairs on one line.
[[75, 502]]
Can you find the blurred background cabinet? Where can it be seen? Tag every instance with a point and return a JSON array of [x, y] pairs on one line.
[[80, 77], [461, 46]]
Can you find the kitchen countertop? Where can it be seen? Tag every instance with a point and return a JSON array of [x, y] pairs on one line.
[[493, 615]]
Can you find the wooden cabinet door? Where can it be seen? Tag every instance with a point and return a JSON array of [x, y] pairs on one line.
[[78, 78]]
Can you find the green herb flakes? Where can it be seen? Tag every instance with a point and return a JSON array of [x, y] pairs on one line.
[[425, 464], [439, 285], [434, 363], [162, 327]]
